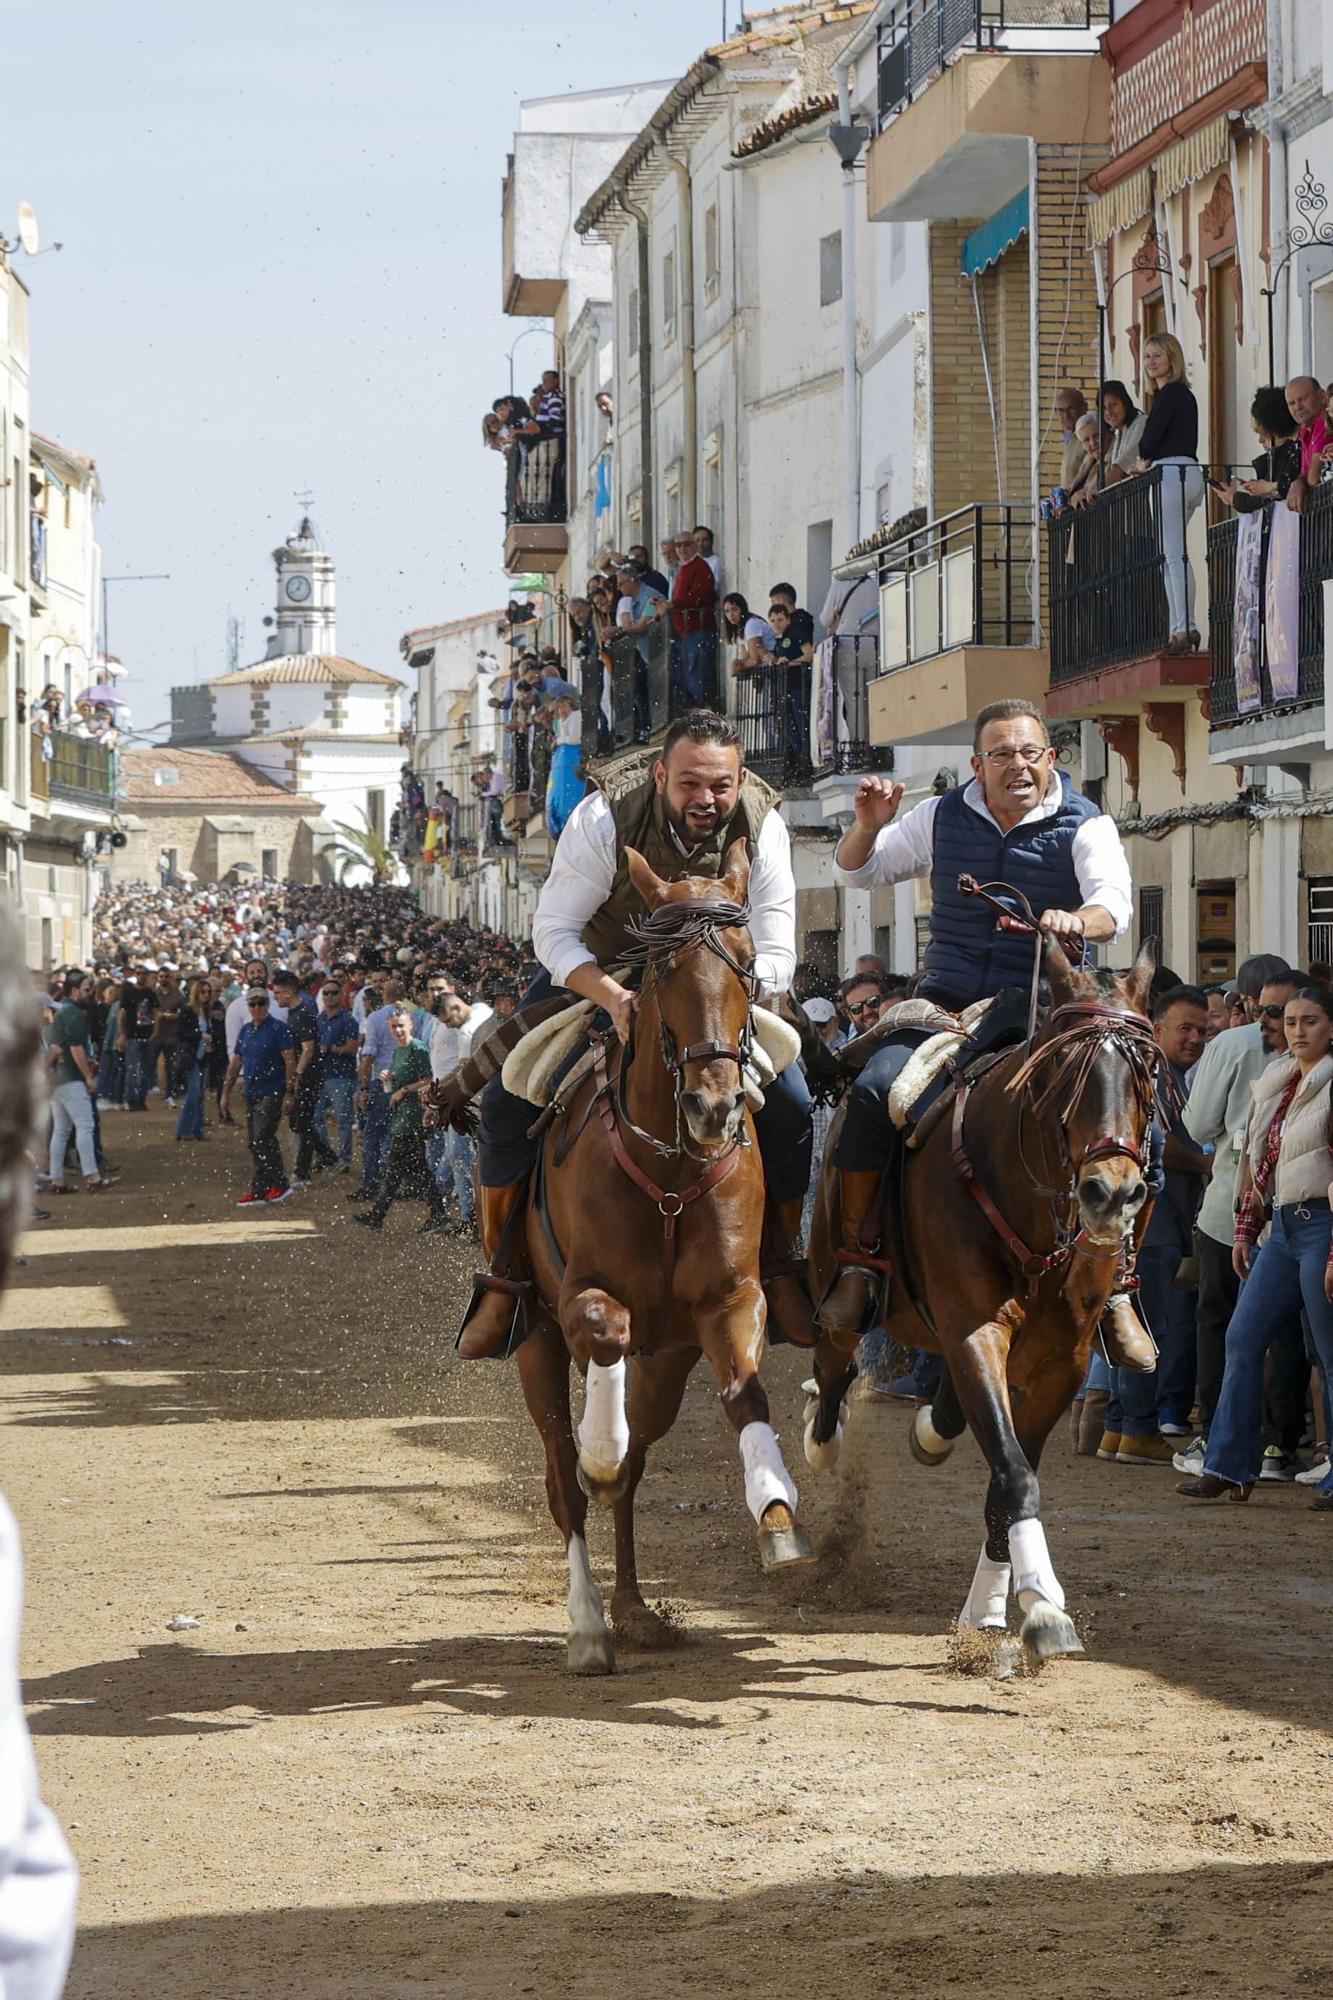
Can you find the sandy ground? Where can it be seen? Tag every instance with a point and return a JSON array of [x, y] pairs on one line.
[[367, 1773]]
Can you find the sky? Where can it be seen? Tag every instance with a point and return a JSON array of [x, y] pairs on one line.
[[280, 274]]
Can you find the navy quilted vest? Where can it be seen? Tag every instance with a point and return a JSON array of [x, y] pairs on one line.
[[969, 957]]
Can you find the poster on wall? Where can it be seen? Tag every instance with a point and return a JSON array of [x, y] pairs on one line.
[[1282, 609], [1248, 627]]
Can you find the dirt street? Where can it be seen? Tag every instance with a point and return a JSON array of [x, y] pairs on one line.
[[367, 1773]]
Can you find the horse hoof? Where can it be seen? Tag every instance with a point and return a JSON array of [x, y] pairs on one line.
[[926, 1444], [635, 1624], [822, 1456], [1048, 1633], [591, 1653], [604, 1491], [783, 1543]]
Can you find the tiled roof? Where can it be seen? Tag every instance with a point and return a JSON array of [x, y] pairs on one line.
[[193, 777], [304, 667], [318, 732], [775, 128]]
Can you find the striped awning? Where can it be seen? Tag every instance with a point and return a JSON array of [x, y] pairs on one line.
[[1190, 159], [1120, 207], [989, 240]]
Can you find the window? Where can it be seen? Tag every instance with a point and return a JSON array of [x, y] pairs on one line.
[[669, 294], [830, 268], [632, 322], [1319, 931], [375, 812], [671, 521], [634, 515], [268, 864], [712, 252], [818, 563], [883, 502], [1151, 915], [712, 486]]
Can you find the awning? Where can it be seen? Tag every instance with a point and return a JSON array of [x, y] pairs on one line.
[[1120, 207], [1193, 157], [988, 243]]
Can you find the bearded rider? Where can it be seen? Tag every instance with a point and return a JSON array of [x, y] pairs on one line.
[[1019, 821], [681, 819]]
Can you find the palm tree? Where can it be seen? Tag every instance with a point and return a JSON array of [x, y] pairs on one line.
[[365, 847]]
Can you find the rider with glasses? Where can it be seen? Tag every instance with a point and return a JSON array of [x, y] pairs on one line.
[[1019, 821]]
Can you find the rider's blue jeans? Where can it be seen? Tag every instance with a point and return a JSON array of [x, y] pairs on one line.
[[783, 1128]]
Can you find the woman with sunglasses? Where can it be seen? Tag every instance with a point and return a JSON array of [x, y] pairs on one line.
[[1285, 1180]]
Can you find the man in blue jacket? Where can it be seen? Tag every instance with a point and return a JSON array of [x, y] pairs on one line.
[[1018, 821]]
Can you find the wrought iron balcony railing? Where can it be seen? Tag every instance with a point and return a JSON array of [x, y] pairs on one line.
[[918, 39], [1108, 573], [1270, 681], [535, 481]]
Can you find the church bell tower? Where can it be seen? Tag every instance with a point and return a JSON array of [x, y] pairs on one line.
[[305, 621]]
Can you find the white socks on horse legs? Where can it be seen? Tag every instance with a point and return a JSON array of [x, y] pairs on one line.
[[604, 1426], [766, 1477], [1034, 1573], [985, 1610]]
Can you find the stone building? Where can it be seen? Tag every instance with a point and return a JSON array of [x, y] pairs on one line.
[[206, 813]]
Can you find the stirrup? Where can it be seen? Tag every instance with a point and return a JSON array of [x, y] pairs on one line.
[[520, 1320]]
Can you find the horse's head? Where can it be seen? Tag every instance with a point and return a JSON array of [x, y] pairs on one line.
[[1093, 1069], [697, 945]]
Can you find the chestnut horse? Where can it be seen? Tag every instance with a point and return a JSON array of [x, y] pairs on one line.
[[1015, 1210], [644, 1248]]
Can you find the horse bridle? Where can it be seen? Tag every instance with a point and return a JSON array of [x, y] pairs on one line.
[[1073, 1054], [686, 926]]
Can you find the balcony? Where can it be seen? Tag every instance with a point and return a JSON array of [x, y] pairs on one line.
[[1267, 705], [635, 700], [1109, 625], [958, 624], [80, 773], [959, 96], [535, 534], [773, 716]]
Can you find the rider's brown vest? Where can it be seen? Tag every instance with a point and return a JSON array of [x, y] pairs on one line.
[[640, 823]]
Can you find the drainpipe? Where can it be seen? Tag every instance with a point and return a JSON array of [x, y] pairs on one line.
[[1277, 187], [689, 376], [851, 431], [640, 217]]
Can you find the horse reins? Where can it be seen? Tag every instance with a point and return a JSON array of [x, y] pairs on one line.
[[1073, 1054], [681, 927]]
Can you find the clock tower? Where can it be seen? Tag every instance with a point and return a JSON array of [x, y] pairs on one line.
[[305, 597]]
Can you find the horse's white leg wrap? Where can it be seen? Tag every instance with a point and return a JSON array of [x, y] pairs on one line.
[[1034, 1573], [927, 1436], [766, 1477], [604, 1427], [590, 1648], [985, 1607]]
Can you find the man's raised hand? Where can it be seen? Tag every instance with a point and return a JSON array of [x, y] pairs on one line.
[[877, 801]]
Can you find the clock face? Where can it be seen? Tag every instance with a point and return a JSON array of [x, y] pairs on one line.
[[298, 588]]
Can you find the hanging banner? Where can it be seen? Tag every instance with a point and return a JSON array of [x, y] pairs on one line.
[[1248, 625], [1282, 610], [823, 706]]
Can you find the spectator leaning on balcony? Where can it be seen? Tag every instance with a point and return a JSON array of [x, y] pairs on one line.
[[703, 541], [800, 624], [1095, 438], [752, 636], [1070, 405], [1171, 440], [1309, 410], [638, 555], [1125, 422], [694, 617], [1278, 465]]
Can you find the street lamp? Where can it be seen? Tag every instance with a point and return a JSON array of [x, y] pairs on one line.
[[1313, 232]]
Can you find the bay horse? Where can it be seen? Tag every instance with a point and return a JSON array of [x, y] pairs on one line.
[[1015, 1209], [643, 1241]]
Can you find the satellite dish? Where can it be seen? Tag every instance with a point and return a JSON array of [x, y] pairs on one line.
[[28, 233]]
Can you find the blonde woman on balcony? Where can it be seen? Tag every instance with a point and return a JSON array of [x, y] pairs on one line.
[[1171, 440]]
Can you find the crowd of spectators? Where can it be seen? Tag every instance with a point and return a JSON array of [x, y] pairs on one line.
[[313, 1008]]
